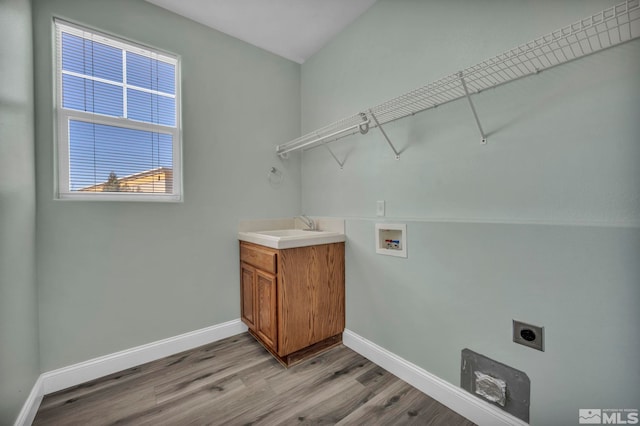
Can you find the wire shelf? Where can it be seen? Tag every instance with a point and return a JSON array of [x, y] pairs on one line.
[[608, 28]]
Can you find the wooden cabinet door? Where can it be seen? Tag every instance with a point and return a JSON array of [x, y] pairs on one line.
[[266, 322], [248, 295], [312, 295]]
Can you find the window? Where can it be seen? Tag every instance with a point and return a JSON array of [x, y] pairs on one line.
[[118, 119]]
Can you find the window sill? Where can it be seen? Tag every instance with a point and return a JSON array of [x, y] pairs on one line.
[[168, 198]]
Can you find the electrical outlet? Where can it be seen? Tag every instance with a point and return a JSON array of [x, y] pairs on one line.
[[528, 335], [380, 208]]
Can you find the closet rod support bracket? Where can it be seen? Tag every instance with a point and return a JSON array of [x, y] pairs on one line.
[[483, 141], [395, 151], [364, 127]]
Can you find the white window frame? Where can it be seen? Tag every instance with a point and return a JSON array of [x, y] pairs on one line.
[[64, 116]]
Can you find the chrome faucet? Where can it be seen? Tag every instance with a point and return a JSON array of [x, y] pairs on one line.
[[308, 222]]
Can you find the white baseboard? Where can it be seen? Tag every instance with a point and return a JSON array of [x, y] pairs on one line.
[[455, 398], [72, 375], [62, 378], [31, 405]]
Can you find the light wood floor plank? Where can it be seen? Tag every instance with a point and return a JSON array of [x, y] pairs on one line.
[[333, 409], [236, 382]]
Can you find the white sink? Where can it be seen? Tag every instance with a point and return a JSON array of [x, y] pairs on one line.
[[285, 233], [290, 238]]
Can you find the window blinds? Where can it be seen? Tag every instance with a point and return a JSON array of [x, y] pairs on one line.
[[117, 116]]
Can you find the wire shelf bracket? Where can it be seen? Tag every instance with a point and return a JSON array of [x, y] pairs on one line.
[[340, 163], [379, 126], [473, 108], [611, 27]]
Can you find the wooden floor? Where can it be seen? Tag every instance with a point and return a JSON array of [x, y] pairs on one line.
[[236, 382]]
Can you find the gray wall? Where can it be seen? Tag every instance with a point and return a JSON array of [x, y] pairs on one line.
[[18, 310], [113, 275], [540, 225]]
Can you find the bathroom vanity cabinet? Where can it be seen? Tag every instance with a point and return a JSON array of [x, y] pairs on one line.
[[292, 299]]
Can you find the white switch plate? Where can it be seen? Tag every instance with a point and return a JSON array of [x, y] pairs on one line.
[[380, 208]]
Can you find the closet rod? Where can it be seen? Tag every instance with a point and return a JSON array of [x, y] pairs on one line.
[[608, 28], [363, 127]]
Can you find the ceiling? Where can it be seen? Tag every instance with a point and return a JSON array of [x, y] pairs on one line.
[[294, 29]]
